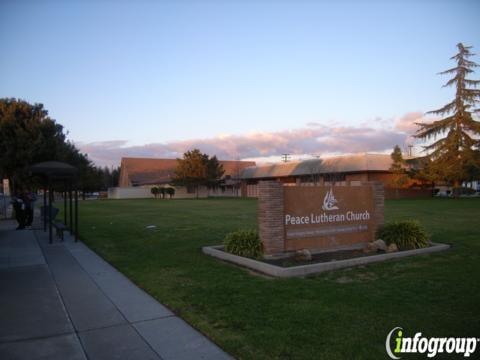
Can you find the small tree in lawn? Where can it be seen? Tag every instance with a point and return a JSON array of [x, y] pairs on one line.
[[154, 190], [170, 191], [455, 154], [400, 176], [162, 192]]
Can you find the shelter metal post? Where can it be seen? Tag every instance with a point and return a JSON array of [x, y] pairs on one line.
[[45, 208], [50, 213], [71, 210], [65, 207], [76, 214]]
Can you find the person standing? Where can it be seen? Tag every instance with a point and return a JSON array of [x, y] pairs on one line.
[[19, 208], [29, 201]]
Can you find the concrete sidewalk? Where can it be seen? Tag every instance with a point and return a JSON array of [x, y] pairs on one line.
[[62, 301]]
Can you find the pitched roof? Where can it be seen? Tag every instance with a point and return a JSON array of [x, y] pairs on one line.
[[147, 171], [344, 164]]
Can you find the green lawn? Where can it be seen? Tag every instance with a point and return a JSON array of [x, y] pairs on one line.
[[344, 314]]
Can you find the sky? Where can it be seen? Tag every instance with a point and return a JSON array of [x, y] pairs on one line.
[[237, 79]]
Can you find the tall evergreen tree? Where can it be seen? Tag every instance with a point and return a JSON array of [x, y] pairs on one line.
[[398, 169], [455, 150], [214, 171]]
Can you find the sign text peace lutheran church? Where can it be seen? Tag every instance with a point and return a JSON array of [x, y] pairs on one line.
[[328, 204], [318, 217]]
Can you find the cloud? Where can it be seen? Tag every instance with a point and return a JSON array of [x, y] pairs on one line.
[[318, 139], [406, 123]]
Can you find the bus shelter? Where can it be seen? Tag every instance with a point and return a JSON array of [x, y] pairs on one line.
[[58, 177]]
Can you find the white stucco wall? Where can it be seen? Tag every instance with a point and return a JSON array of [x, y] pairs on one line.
[[129, 193], [143, 192]]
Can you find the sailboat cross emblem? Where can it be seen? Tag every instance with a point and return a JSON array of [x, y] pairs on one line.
[[329, 201]]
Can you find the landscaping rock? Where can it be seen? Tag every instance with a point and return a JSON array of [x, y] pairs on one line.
[[380, 245], [303, 255], [370, 248], [375, 246], [392, 248]]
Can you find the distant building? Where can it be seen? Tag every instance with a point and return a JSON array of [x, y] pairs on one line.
[[338, 170], [139, 175]]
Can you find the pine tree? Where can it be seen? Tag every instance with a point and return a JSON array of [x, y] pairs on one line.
[[398, 169], [398, 164], [455, 150], [215, 172]]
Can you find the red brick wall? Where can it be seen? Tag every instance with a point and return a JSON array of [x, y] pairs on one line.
[[379, 197], [123, 180], [270, 217]]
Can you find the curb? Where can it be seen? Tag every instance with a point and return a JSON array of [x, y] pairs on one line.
[[304, 270]]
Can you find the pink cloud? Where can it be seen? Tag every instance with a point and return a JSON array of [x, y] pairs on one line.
[[406, 123], [318, 139]]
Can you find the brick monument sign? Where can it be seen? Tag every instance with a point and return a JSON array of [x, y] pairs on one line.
[[318, 217]]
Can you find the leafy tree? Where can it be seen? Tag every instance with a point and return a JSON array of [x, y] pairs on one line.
[[170, 191], [398, 169], [197, 169], [154, 190], [162, 192], [455, 151], [28, 136], [109, 177], [191, 170]]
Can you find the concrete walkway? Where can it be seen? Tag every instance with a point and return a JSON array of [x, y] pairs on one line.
[[62, 301]]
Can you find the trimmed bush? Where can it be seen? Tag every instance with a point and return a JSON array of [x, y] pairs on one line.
[[244, 243], [170, 191], [408, 234], [162, 192], [154, 190]]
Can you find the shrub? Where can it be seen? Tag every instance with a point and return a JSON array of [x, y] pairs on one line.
[[408, 234], [162, 192], [154, 190], [170, 191], [244, 243]]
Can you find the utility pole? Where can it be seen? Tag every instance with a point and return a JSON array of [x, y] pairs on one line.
[[410, 150], [285, 157]]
